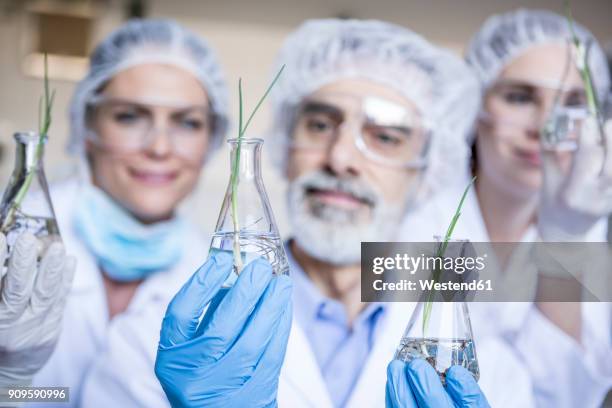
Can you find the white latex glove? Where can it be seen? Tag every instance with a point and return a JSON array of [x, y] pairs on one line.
[[32, 298], [576, 193]]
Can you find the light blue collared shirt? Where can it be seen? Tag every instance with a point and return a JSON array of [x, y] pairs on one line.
[[339, 348]]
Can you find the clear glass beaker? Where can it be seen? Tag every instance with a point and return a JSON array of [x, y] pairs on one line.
[[246, 223], [440, 331], [26, 203], [562, 130]]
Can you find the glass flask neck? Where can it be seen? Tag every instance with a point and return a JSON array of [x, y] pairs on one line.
[[248, 153], [28, 154]]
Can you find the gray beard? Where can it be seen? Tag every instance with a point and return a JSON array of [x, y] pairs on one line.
[[332, 234]]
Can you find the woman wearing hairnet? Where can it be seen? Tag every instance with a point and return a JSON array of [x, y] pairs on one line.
[[527, 69], [150, 112]]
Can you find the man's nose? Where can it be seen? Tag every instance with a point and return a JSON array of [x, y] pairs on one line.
[[343, 157]]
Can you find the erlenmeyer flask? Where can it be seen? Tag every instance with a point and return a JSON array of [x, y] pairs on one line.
[[246, 223], [443, 340], [440, 332], [26, 204], [562, 129]]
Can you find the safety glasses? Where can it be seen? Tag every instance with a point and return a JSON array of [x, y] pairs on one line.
[[129, 126], [384, 131], [528, 104]]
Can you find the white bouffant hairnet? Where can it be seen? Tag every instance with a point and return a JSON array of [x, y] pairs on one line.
[[439, 83], [144, 42], [505, 36]]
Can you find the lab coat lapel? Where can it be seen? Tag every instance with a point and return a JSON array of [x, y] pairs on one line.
[[301, 383], [89, 297], [64, 197], [87, 291], [370, 388]]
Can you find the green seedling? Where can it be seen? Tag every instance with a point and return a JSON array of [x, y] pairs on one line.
[[45, 106], [441, 250], [236, 165]]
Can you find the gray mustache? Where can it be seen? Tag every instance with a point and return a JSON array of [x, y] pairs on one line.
[[321, 181]]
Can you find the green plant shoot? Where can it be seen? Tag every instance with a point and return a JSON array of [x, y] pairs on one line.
[[45, 106], [236, 165], [442, 250], [582, 64]]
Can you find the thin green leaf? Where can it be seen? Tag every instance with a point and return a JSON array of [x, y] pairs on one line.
[[441, 251], [587, 79], [46, 79], [240, 108], [426, 315], [40, 114], [455, 218], [236, 165], [278, 74], [47, 123], [585, 71]]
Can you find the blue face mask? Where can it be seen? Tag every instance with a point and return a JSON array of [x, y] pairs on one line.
[[125, 249]]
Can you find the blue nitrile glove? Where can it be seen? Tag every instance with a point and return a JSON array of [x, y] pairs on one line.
[[417, 385], [234, 356], [398, 394]]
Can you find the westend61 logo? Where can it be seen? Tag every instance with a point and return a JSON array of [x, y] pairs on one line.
[[411, 264], [398, 268], [486, 271]]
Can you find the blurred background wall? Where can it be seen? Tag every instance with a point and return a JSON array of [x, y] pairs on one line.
[[246, 36]]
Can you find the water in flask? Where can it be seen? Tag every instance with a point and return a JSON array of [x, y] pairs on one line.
[[246, 223]]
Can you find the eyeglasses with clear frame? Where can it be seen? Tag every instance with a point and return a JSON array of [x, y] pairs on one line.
[[527, 104], [129, 126], [384, 131]]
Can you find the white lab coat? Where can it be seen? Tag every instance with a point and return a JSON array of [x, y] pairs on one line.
[[86, 326], [503, 379], [124, 375], [564, 374]]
